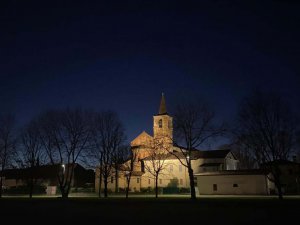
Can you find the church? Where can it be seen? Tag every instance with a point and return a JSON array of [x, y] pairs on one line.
[[216, 172], [149, 149]]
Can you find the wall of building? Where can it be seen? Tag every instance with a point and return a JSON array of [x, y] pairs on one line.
[[172, 169], [232, 184], [7, 183]]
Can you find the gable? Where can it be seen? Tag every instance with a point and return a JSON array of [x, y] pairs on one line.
[[230, 155], [142, 139]]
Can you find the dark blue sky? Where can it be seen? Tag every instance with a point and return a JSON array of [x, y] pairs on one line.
[[122, 55]]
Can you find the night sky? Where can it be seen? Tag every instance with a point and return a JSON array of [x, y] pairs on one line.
[[122, 55]]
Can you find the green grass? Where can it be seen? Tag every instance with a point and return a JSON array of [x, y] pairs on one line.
[[141, 210]]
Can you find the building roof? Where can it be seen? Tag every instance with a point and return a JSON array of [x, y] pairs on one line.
[[281, 162], [210, 164], [233, 172], [196, 154], [166, 156], [137, 173], [142, 139], [162, 107], [43, 171], [210, 154]]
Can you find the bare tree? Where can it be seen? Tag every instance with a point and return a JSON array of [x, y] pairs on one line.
[[7, 144], [245, 156], [194, 125], [128, 167], [65, 135], [243, 153], [108, 136], [267, 127], [118, 158], [156, 162], [31, 152]]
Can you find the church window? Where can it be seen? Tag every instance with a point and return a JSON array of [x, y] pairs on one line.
[[180, 168], [160, 181], [215, 187], [235, 185], [149, 181], [143, 166], [138, 180], [160, 123]]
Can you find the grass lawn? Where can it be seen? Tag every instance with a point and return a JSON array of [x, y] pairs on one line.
[[141, 210]]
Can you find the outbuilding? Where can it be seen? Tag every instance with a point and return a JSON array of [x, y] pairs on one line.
[[233, 182]]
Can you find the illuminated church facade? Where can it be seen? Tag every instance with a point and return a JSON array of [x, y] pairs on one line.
[[145, 145]]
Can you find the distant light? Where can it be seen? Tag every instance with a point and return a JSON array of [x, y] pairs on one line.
[[63, 166], [188, 158]]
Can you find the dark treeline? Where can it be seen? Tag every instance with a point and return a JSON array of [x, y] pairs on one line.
[[265, 130], [62, 137]]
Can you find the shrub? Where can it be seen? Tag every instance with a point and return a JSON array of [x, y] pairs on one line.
[[173, 183], [82, 190], [24, 189], [171, 190], [147, 190], [184, 190]]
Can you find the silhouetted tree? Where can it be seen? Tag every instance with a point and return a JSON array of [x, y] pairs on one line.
[[242, 153], [267, 127], [65, 137], [156, 162], [31, 152], [108, 136], [119, 157], [7, 144], [129, 167], [194, 125]]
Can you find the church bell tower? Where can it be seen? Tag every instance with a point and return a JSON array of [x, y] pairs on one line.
[[163, 123]]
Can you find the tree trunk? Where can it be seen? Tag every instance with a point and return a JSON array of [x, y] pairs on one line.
[[192, 182], [65, 194], [105, 187], [278, 182], [30, 187], [280, 195], [156, 187], [1, 186], [127, 189], [100, 183], [117, 181]]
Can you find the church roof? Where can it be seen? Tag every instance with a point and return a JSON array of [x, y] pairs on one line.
[[162, 107], [142, 139]]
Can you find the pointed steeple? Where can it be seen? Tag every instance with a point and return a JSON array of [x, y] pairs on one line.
[[162, 107]]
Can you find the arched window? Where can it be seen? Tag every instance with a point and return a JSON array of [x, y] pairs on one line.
[[160, 123]]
